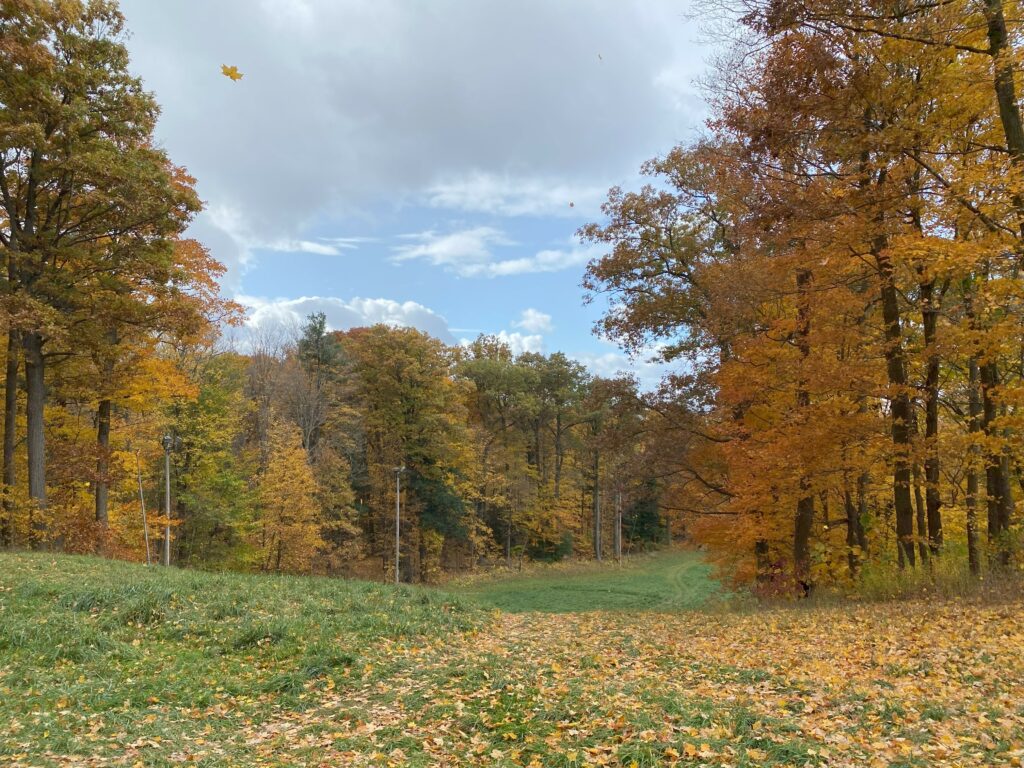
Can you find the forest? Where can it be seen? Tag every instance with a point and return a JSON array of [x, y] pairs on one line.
[[835, 265], [832, 271]]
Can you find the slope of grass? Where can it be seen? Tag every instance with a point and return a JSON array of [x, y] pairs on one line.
[[107, 664], [96, 656], [666, 581]]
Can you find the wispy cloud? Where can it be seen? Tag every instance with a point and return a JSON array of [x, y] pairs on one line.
[[301, 246], [505, 195], [471, 253], [228, 221], [464, 252], [550, 260]]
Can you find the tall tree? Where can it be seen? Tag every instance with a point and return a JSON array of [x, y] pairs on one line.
[[77, 171]]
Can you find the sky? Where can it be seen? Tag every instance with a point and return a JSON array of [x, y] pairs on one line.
[[419, 162]]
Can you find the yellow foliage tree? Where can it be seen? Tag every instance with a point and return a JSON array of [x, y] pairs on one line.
[[287, 534]]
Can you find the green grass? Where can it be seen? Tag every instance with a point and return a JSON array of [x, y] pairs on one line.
[[102, 659], [94, 652], [666, 581], [110, 664]]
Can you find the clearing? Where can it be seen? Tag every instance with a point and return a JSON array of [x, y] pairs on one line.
[[666, 581], [106, 663]]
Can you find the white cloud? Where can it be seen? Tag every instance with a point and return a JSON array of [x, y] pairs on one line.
[[504, 195], [343, 315], [470, 253], [223, 228], [303, 246], [517, 342], [534, 321], [610, 364], [463, 252], [491, 106], [552, 260], [520, 343], [348, 242]]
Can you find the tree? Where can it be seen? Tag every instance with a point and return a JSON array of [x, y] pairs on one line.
[[287, 532], [837, 262], [412, 416], [84, 193]]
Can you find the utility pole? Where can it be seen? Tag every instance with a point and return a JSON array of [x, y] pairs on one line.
[[169, 442], [398, 521], [142, 503], [598, 544]]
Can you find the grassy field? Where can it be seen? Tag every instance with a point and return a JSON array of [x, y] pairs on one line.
[[666, 581], [110, 664], [112, 661]]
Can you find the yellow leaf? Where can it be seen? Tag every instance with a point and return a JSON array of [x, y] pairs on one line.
[[231, 72]]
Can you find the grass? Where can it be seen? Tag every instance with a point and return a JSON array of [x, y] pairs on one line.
[[96, 655], [664, 581], [109, 664]]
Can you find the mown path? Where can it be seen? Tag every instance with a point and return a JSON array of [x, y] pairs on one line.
[[669, 581]]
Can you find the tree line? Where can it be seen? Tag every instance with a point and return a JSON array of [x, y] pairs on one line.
[[833, 269], [835, 266], [283, 456]]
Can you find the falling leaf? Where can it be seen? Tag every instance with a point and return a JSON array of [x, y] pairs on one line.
[[231, 72]]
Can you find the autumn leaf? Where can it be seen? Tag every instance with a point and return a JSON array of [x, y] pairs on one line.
[[231, 72]]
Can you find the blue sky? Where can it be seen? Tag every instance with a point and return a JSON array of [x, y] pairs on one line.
[[419, 163]]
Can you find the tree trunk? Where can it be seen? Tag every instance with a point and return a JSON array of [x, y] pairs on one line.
[[863, 480], [997, 469], [855, 509], [805, 504], [10, 434], [508, 539], [538, 459], [974, 410], [862, 512], [597, 506], [899, 400], [922, 525], [102, 468], [422, 549], [558, 455], [1004, 79], [802, 533], [852, 557], [618, 526], [933, 502], [35, 389]]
